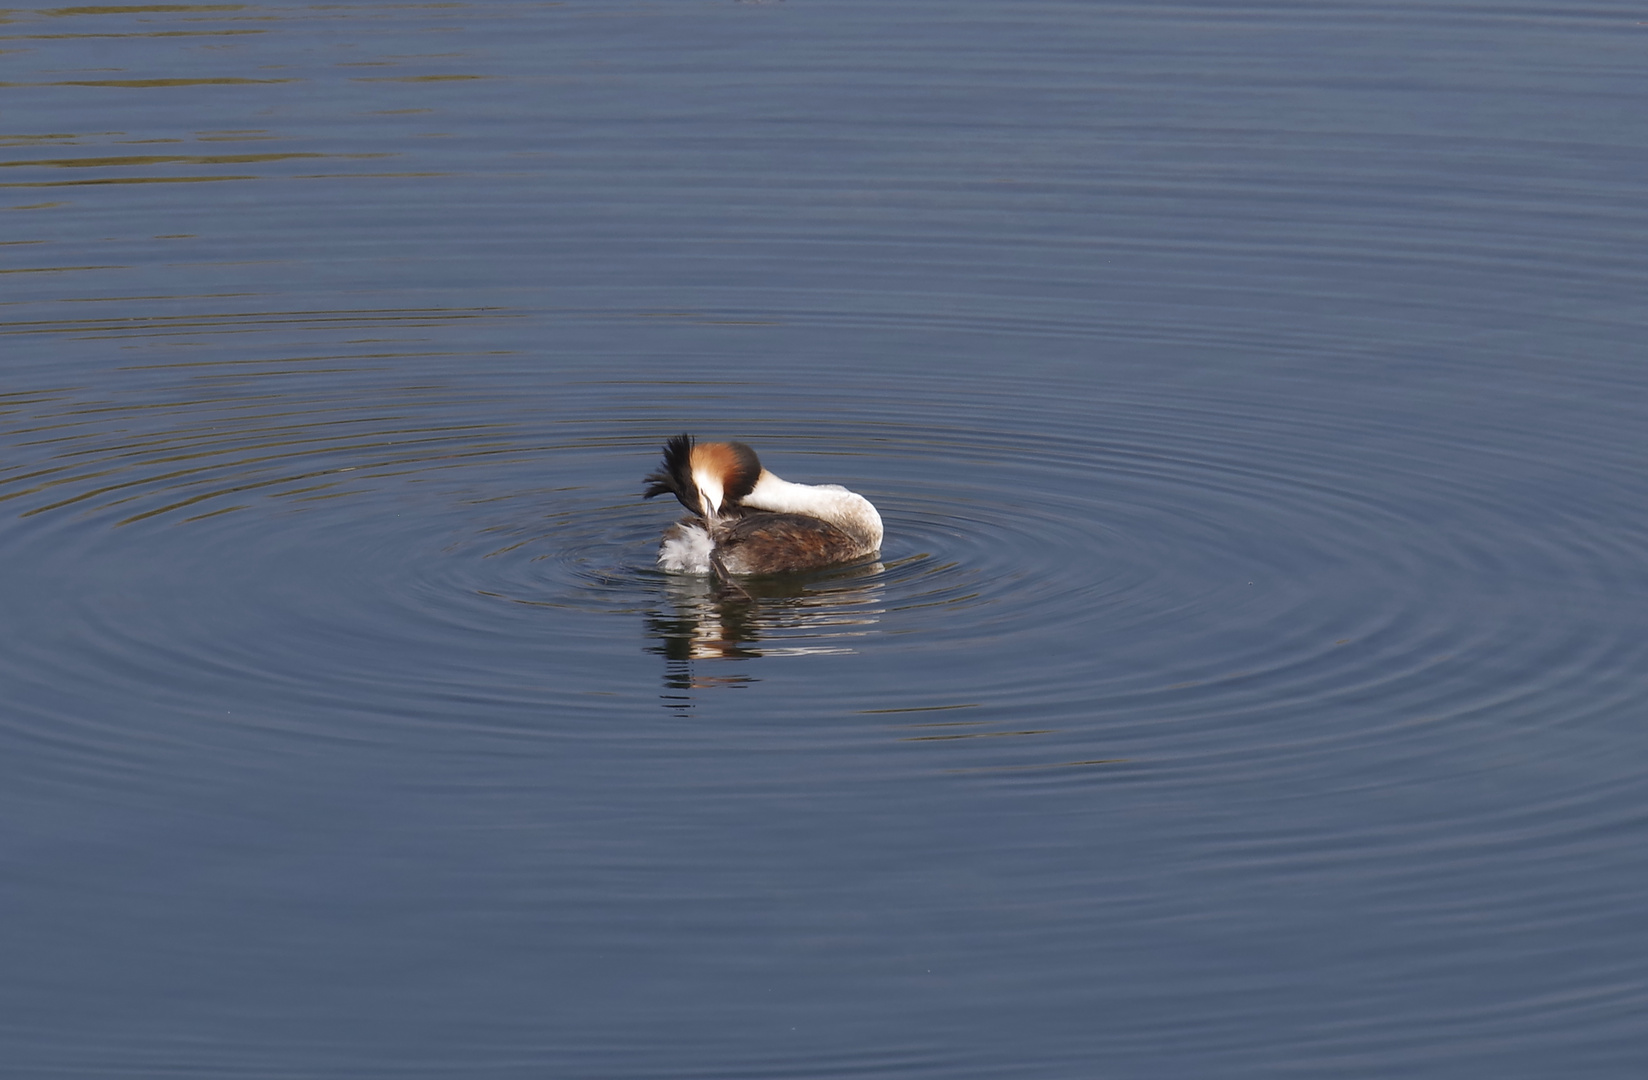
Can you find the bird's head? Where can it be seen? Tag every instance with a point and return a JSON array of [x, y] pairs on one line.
[[706, 477]]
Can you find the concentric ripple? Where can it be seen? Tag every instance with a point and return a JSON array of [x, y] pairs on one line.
[[1138, 561]]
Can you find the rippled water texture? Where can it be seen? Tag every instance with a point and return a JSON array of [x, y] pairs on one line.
[[1252, 682]]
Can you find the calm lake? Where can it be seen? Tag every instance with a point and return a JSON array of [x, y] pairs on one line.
[[1254, 681]]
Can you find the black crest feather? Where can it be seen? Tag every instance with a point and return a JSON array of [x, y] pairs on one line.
[[675, 477]]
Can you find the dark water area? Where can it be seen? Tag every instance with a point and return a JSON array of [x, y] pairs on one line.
[[1253, 681]]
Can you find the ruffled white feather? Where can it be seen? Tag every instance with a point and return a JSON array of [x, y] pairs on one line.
[[686, 550]]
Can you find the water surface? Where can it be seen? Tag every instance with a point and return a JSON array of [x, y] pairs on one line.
[[1251, 684]]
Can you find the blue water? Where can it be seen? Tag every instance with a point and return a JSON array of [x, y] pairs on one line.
[[1252, 682]]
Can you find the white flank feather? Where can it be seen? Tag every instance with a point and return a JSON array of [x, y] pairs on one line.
[[847, 510], [686, 550]]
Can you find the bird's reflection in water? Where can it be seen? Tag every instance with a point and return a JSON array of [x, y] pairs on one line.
[[709, 622]]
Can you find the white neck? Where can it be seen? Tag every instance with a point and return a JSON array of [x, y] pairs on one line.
[[848, 511]]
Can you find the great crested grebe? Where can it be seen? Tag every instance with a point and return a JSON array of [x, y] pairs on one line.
[[748, 521]]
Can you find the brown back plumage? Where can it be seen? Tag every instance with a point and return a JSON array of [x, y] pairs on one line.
[[762, 542]]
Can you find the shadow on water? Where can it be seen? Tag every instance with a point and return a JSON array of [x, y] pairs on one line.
[[781, 615]]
